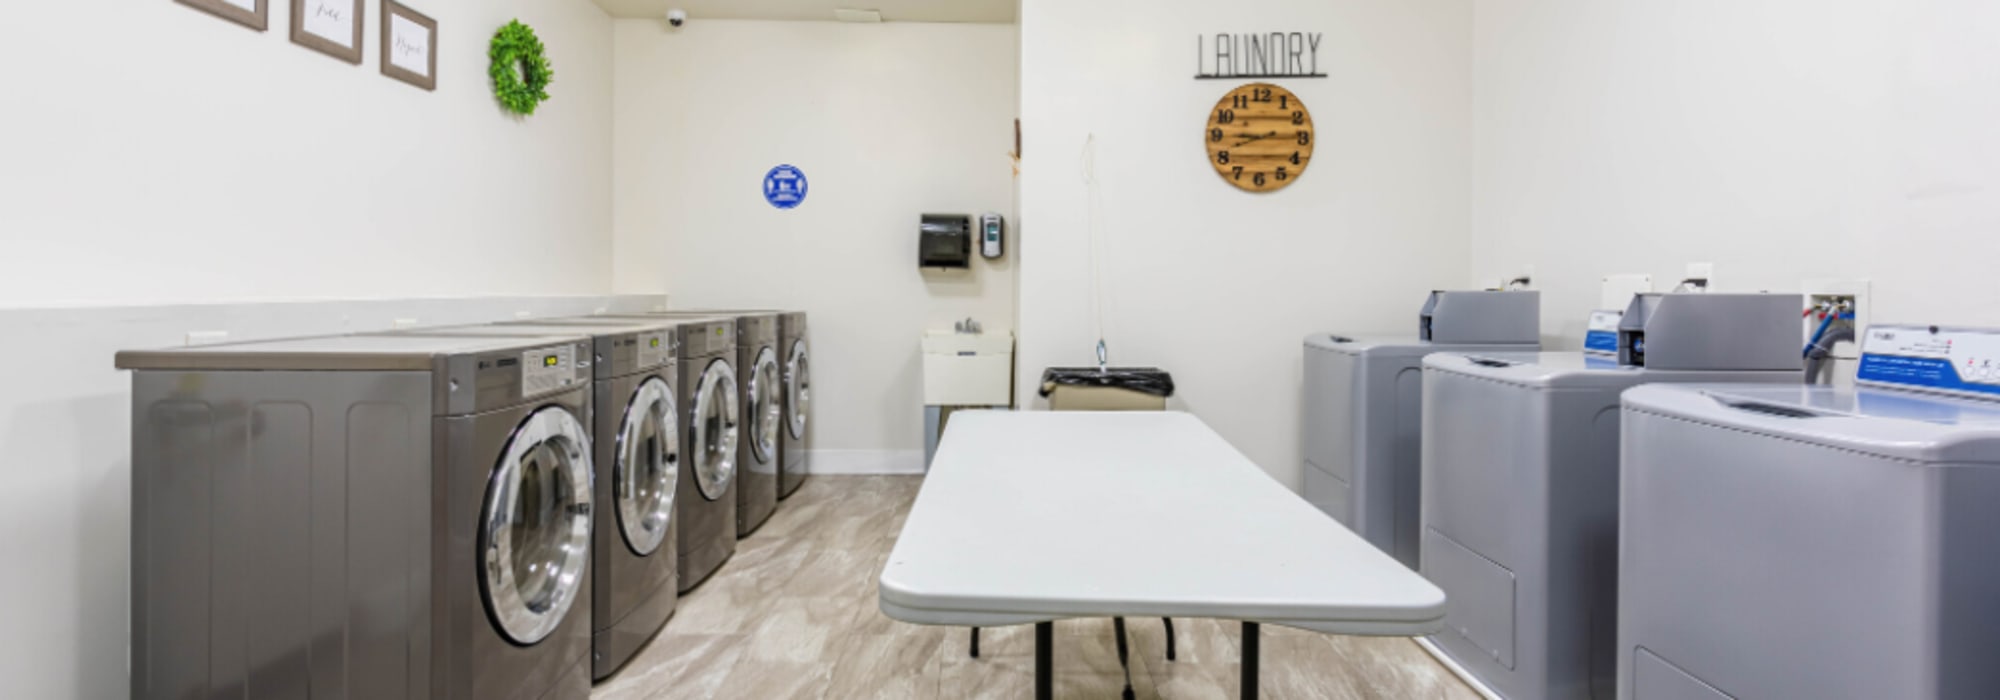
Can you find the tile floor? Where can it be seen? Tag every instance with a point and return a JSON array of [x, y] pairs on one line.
[[793, 615]]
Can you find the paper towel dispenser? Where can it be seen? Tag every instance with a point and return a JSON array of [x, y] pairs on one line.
[[945, 240]]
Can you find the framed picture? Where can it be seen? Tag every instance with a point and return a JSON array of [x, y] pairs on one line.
[[409, 45], [254, 14], [331, 27]]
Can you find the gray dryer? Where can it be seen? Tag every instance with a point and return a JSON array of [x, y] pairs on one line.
[[1363, 400], [1814, 542], [362, 516], [1520, 481]]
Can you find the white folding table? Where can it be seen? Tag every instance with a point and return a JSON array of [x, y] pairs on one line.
[[1030, 517]]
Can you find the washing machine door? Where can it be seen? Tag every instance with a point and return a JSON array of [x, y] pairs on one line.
[[535, 526], [713, 430], [766, 406], [798, 390], [648, 471]]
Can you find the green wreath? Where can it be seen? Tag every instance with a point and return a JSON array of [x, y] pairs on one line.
[[516, 45]]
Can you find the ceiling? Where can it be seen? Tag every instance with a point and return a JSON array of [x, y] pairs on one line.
[[994, 11]]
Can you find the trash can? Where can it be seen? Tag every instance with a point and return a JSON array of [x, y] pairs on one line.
[[1112, 389]]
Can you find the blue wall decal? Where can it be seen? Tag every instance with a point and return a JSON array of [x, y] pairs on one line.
[[785, 187]]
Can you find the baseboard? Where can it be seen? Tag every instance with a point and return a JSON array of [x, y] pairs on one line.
[[865, 462], [1451, 664]]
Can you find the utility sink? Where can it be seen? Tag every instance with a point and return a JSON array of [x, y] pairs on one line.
[[954, 343], [968, 369]]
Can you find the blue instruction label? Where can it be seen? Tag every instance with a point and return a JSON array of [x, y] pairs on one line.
[[785, 187]]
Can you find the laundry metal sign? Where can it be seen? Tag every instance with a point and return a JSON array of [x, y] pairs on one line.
[[1262, 55]]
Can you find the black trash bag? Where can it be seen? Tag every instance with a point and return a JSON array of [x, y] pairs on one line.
[[1146, 380]]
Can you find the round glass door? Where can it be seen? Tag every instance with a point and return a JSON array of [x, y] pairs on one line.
[[648, 471], [798, 390], [535, 526], [713, 430], [766, 406]]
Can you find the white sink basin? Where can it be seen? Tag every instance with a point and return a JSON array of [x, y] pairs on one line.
[[952, 343], [968, 369]]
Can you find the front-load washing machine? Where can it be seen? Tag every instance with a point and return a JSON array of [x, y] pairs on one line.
[[711, 423], [1520, 482], [1814, 542], [794, 346], [364, 516], [762, 374], [635, 558], [1363, 401]]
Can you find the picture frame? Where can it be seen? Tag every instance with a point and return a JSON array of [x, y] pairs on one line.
[[409, 45], [331, 27], [255, 14]]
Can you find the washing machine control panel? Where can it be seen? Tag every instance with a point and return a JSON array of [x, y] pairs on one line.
[[655, 348], [1957, 360], [553, 368]]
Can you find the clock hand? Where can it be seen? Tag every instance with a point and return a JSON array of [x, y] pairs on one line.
[[1247, 138]]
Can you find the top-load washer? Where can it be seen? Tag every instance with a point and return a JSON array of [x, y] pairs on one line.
[[636, 434], [761, 372], [1520, 482], [362, 516], [794, 348], [1817, 542], [1363, 403]]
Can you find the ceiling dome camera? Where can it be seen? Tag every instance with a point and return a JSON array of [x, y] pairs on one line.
[[677, 17]]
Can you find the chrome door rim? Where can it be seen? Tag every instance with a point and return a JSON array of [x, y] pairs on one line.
[[715, 400], [645, 504], [766, 405], [521, 620], [798, 387]]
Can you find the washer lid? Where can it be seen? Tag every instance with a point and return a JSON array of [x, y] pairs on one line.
[[1542, 371], [1896, 424], [1402, 345]]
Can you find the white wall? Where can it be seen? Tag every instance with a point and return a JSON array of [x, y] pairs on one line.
[[151, 154], [888, 122], [1216, 285], [1782, 140], [156, 153]]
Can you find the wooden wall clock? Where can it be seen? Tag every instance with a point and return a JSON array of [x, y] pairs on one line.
[[1259, 137]]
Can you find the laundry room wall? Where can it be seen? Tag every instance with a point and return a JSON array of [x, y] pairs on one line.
[[1217, 285], [888, 121], [155, 154], [165, 172], [1782, 141]]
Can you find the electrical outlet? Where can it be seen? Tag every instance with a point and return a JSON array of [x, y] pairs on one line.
[[206, 337], [1702, 273], [403, 324]]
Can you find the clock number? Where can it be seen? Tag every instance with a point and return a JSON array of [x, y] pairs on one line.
[[1222, 157], [1262, 94], [1239, 101], [1305, 138], [1257, 180], [1226, 116], [1295, 157], [1237, 172], [1298, 118], [1282, 175], [1215, 134], [1284, 102]]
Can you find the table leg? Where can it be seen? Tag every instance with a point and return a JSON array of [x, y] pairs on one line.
[[975, 642], [1250, 644], [1045, 677]]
